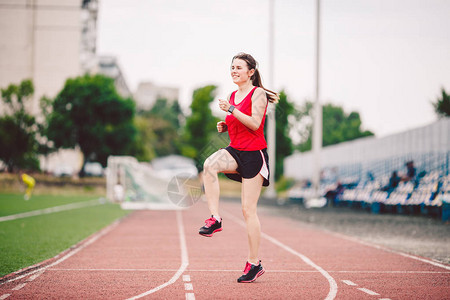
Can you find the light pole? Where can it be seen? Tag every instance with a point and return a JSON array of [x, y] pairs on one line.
[[317, 127], [271, 139]]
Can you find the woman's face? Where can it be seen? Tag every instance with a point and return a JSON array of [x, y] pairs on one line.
[[240, 72]]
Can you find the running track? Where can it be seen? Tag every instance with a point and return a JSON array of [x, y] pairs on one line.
[[159, 255]]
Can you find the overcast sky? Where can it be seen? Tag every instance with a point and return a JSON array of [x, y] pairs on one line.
[[386, 59]]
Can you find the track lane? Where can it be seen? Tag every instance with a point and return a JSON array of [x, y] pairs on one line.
[[144, 252]]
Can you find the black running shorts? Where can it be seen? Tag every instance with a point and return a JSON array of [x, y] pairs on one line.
[[250, 164]]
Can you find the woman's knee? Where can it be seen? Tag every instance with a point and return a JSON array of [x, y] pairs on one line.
[[248, 211], [209, 167]]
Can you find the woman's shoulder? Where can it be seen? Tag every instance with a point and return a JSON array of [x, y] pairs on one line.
[[231, 94], [259, 92]]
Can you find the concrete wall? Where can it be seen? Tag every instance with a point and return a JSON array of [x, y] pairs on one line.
[[425, 145]]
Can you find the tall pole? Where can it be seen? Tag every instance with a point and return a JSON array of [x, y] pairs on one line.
[[270, 192], [317, 128]]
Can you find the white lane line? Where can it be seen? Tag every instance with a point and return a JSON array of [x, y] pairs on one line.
[[372, 293], [116, 270], [186, 278], [333, 285], [384, 299], [393, 272], [239, 270], [19, 287], [4, 296], [184, 260], [53, 209], [354, 239], [83, 245], [190, 296], [188, 287], [33, 277], [348, 282]]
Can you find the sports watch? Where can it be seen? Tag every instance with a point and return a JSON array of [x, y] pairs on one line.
[[230, 110]]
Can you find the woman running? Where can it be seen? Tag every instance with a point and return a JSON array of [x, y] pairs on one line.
[[245, 159]]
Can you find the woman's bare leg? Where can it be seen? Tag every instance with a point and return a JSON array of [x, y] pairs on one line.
[[251, 189], [220, 161]]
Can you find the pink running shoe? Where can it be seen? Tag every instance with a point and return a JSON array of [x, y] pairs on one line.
[[212, 226]]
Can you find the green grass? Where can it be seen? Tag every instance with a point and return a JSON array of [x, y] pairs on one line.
[[27, 241], [11, 204]]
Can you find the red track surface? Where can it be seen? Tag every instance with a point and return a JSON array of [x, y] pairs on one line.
[[143, 253]]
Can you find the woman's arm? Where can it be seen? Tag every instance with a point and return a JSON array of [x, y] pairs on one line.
[[259, 103]]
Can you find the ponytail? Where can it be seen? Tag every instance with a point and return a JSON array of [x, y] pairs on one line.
[[272, 97]]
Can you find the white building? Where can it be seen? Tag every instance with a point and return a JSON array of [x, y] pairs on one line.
[[47, 41], [108, 66], [147, 93]]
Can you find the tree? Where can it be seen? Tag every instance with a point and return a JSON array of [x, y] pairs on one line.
[[18, 129], [200, 127], [89, 113], [283, 110], [158, 130], [442, 105], [338, 126]]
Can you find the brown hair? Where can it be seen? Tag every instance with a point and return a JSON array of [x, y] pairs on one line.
[[256, 77]]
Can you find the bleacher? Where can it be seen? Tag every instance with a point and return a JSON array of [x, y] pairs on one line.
[[427, 194]]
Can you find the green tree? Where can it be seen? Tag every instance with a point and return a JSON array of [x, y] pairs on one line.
[[89, 113], [338, 126], [18, 129], [143, 148], [159, 130], [284, 147], [200, 127], [442, 105]]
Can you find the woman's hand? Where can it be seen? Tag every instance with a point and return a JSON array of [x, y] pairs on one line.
[[224, 105], [222, 126]]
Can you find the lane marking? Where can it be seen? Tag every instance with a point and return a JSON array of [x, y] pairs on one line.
[[372, 293], [19, 287], [333, 285], [4, 296], [184, 260], [348, 282], [116, 270], [190, 296], [357, 240], [239, 270], [33, 277], [188, 287], [186, 278], [53, 209], [83, 245]]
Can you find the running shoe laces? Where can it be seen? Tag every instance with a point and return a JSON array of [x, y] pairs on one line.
[[209, 222], [212, 225], [247, 268]]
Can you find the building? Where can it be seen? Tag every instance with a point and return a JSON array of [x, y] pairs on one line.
[[147, 93], [108, 66], [47, 41]]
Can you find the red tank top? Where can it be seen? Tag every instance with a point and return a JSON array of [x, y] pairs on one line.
[[241, 137]]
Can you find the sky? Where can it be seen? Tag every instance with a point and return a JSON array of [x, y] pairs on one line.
[[386, 59]]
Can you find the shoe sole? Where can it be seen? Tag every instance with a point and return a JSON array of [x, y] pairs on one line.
[[211, 234], [257, 275]]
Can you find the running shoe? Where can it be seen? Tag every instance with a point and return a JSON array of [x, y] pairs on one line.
[[212, 226], [251, 272]]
